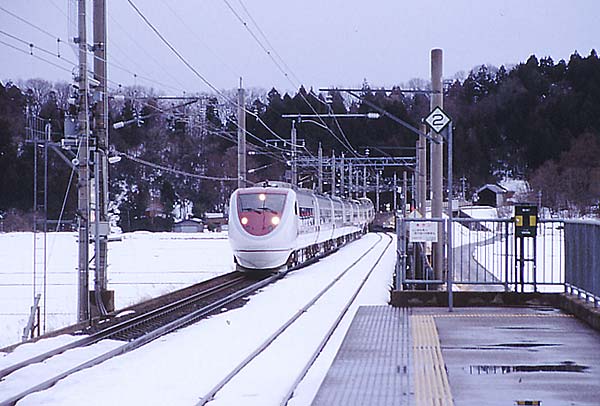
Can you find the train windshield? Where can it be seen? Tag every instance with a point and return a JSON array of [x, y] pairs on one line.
[[260, 213], [262, 202]]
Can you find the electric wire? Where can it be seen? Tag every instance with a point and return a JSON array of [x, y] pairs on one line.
[[143, 49], [73, 64], [35, 56], [199, 39], [172, 170], [198, 74], [37, 27], [29, 23], [283, 71]]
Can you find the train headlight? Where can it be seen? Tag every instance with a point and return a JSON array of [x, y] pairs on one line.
[[244, 220], [275, 220], [262, 197]]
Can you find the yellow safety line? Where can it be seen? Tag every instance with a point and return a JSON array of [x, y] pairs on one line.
[[430, 377], [503, 315]]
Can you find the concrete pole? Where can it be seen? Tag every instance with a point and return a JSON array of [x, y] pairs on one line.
[[294, 163], [342, 177], [377, 174], [395, 193], [350, 180], [422, 172], [365, 181], [241, 134], [357, 183], [404, 192], [83, 186], [320, 186], [332, 173], [436, 163], [101, 160]]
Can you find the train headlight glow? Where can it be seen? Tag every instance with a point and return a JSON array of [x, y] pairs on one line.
[[244, 220], [262, 197], [275, 220]]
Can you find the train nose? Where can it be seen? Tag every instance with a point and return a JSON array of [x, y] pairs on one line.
[[260, 213], [259, 223]]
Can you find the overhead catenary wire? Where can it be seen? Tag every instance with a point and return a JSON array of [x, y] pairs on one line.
[[199, 75], [57, 54], [283, 71], [199, 39], [172, 170]]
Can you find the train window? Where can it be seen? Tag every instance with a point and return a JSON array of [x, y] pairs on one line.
[[306, 212], [260, 202]]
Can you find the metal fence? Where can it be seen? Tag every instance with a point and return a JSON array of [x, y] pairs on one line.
[[564, 256], [582, 259]]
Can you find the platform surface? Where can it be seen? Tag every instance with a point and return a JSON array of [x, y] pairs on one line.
[[471, 356]]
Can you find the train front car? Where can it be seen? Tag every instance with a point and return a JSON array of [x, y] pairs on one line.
[[262, 226]]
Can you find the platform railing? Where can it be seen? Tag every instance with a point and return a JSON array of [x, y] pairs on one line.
[[563, 257], [582, 259]]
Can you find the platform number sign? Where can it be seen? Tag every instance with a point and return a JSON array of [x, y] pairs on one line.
[[437, 119]]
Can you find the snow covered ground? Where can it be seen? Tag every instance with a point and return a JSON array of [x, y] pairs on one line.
[[141, 266], [181, 367]]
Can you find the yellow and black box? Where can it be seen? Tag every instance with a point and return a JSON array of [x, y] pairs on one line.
[[526, 219]]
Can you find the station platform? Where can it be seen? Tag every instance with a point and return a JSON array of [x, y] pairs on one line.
[[471, 356]]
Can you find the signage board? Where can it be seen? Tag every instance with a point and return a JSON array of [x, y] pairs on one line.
[[423, 231], [526, 220], [437, 119]]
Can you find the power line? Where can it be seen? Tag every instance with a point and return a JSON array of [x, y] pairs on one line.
[[141, 47], [172, 170], [199, 39], [31, 45], [35, 56], [198, 74], [29, 23], [285, 74]]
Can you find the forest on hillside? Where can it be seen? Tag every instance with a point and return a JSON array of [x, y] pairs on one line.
[[538, 121]]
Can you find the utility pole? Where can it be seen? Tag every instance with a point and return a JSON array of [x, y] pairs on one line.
[[404, 192], [241, 133], [332, 173], [320, 186], [103, 299], [294, 163], [83, 187], [436, 163], [349, 180], [377, 175], [365, 181], [357, 194], [422, 171], [342, 176], [395, 193]]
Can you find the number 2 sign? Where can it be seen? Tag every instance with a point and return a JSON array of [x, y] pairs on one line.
[[437, 120]]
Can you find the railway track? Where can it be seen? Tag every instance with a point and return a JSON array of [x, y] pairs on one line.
[[144, 328], [385, 240]]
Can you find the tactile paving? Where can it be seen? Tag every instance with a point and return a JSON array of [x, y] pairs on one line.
[[372, 366]]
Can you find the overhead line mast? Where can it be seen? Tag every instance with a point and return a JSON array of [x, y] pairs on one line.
[[83, 187]]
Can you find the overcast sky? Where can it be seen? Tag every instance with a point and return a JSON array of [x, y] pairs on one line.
[[315, 42]]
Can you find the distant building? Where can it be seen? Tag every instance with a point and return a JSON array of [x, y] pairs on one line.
[[155, 208], [215, 221], [491, 195], [188, 226]]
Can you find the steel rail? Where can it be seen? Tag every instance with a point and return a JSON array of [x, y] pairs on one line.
[[332, 329], [117, 328], [209, 396], [174, 325]]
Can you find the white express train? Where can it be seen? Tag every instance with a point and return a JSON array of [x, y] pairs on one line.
[[272, 225]]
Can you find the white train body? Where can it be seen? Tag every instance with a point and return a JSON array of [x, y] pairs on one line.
[[273, 226]]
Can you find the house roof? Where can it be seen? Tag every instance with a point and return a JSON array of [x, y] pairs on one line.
[[188, 221], [492, 187]]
